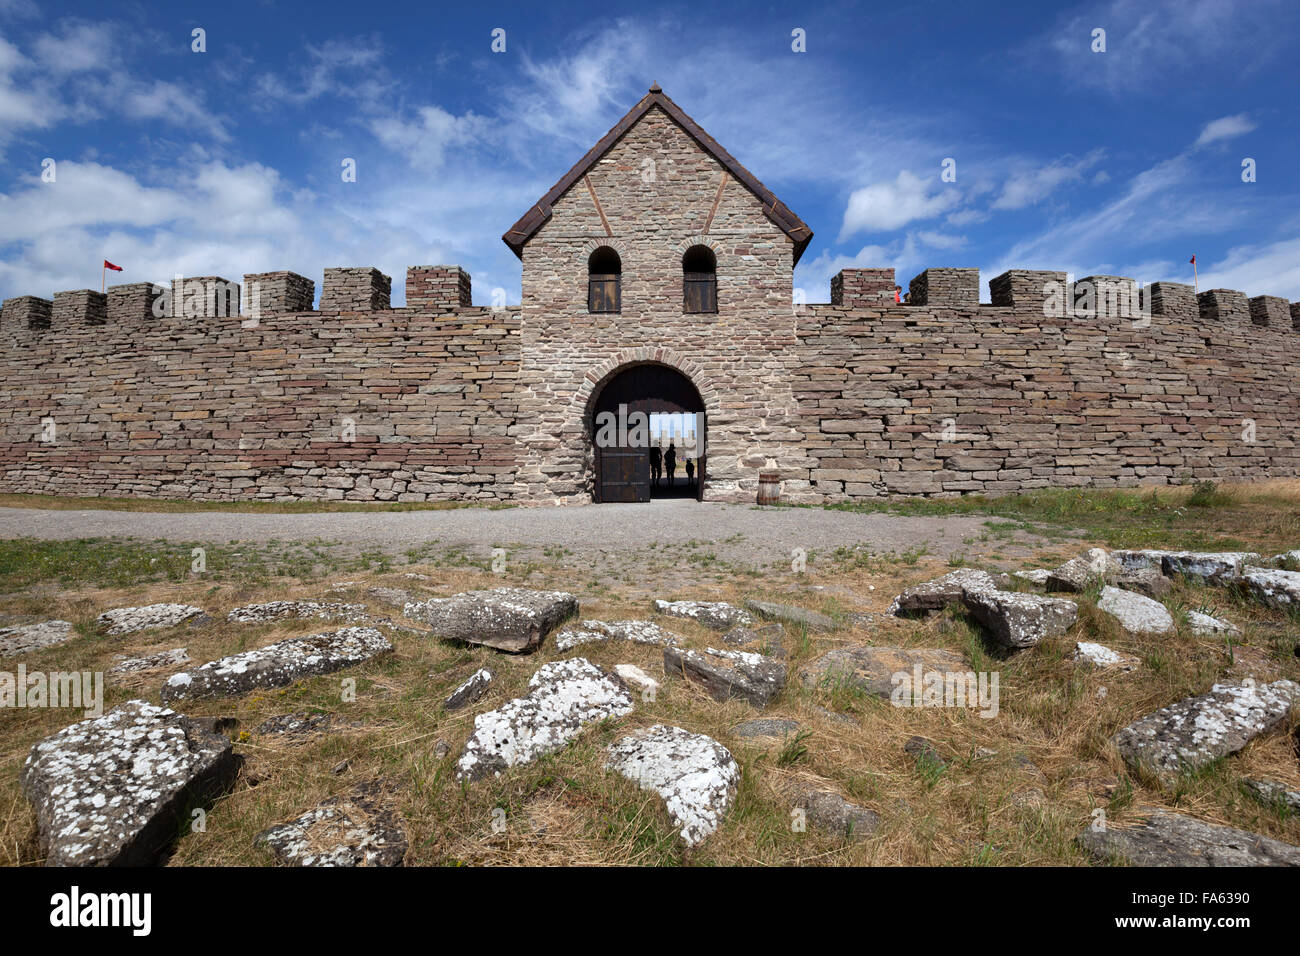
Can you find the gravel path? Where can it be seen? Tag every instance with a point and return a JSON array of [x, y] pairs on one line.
[[735, 533]]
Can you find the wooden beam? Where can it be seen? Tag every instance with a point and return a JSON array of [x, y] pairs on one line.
[[716, 199], [592, 189]]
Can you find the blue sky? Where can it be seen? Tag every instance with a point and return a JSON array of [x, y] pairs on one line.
[[225, 162]]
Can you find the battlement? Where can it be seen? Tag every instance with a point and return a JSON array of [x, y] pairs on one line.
[[1050, 293], [440, 289], [862, 288], [437, 288], [955, 288]]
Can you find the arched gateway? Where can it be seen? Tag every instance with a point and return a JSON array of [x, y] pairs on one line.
[[640, 409]]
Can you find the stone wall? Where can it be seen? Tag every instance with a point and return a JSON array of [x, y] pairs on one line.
[[652, 196], [925, 401], [421, 404], [392, 405]]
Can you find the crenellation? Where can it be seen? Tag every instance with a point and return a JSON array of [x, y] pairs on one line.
[[438, 288], [132, 303], [355, 289], [1028, 288], [955, 288], [1106, 296], [1295, 315], [275, 293], [1270, 310], [862, 288], [79, 307], [1224, 305], [26, 312], [1175, 300]]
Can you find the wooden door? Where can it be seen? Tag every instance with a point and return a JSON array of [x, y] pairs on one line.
[[622, 474]]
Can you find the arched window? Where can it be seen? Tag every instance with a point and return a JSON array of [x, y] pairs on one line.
[[604, 281], [699, 280]]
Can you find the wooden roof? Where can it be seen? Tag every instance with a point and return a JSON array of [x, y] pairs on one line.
[[519, 234]]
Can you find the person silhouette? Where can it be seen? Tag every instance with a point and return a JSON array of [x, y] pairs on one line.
[[656, 463], [690, 472], [670, 462]]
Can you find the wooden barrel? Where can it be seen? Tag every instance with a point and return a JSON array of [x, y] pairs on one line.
[[769, 487]]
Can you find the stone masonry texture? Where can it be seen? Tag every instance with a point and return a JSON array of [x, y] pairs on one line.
[[442, 400]]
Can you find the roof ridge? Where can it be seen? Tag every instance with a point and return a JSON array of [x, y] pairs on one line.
[[775, 210]]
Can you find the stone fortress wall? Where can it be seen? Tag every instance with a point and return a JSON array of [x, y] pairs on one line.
[[205, 396], [354, 401]]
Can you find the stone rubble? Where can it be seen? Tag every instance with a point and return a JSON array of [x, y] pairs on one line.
[[1207, 567], [1203, 625], [766, 727], [1136, 613], [1036, 576], [128, 665], [470, 691], [795, 617], [765, 639], [278, 664], [1079, 573], [398, 597], [726, 674], [25, 638], [301, 724], [278, 610], [1274, 588], [130, 620], [354, 829], [1273, 792], [1194, 731], [564, 696], [1173, 840], [1017, 620], [940, 593], [715, 615], [695, 775], [1148, 581], [828, 811], [599, 632], [516, 620], [634, 676], [112, 790], [1099, 655]]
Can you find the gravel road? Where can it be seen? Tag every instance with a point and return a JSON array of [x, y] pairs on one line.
[[736, 533]]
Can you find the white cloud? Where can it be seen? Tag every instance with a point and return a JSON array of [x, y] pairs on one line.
[[939, 240], [885, 206], [1226, 127], [1160, 40], [78, 47], [1030, 186], [162, 100], [424, 141], [352, 68], [1271, 268]]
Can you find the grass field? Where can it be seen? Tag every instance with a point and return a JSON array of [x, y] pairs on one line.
[[1013, 789]]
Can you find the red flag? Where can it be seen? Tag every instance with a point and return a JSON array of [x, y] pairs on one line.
[[1193, 258], [109, 265]]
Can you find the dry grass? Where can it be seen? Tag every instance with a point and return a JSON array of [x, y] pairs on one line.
[[1024, 804]]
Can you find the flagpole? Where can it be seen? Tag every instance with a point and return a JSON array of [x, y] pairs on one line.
[[103, 272], [1196, 278]]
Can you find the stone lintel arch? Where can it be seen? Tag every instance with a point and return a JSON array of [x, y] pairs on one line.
[[686, 243], [591, 245], [606, 369]]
